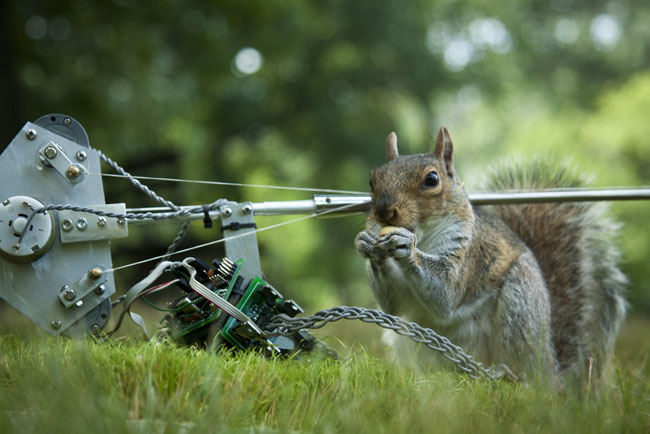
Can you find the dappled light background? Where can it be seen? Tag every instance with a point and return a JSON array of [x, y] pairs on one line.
[[303, 93]]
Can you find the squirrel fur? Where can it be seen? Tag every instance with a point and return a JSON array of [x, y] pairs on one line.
[[535, 287]]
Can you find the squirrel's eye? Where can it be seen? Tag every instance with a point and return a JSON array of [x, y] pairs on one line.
[[431, 180]]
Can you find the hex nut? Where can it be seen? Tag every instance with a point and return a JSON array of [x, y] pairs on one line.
[[69, 294], [50, 152]]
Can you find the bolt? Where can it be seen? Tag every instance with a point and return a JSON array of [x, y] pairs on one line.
[[72, 172], [69, 294], [121, 222], [227, 212], [95, 273], [247, 209], [95, 329], [6, 202], [81, 155], [101, 289], [67, 121], [31, 134], [66, 225], [82, 224], [55, 324], [50, 152], [101, 221]]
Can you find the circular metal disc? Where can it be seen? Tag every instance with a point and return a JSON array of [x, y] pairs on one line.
[[14, 216]]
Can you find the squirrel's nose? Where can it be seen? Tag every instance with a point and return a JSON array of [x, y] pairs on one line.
[[386, 213]]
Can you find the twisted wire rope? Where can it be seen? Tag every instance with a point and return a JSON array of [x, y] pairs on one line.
[[283, 325]]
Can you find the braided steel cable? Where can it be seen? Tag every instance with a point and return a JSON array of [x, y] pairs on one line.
[[283, 325], [149, 192]]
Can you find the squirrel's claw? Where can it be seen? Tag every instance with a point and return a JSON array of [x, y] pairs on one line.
[[398, 244], [365, 243]]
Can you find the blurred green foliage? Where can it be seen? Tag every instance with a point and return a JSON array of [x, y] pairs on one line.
[[303, 94]]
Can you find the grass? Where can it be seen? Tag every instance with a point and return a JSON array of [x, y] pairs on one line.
[[123, 386]]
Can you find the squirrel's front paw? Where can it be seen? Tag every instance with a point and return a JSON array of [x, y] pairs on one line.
[[399, 244], [365, 243]]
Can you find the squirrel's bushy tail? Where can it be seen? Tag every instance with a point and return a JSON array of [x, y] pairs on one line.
[[574, 246]]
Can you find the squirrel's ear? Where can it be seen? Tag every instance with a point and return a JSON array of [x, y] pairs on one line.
[[444, 150], [391, 147]]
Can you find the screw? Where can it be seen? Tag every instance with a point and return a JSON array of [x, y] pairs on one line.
[[50, 152], [67, 121], [247, 209], [69, 294], [100, 289], [72, 172], [95, 329], [6, 202], [81, 155], [121, 222], [16, 246], [227, 212], [31, 134], [79, 303], [82, 224], [101, 221], [66, 225], [95, 273], [55, 324]]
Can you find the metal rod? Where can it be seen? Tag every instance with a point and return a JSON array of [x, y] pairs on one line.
[[581, 195], [330, 202]]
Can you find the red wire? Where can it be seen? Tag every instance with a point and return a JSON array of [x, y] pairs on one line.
[[147, 291]]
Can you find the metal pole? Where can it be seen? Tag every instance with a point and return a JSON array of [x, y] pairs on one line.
[[581, 195], [321, 203]]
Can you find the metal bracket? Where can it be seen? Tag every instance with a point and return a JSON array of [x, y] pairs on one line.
[[78, 226], [32, 282], [53, 155], [237, 221], [72, 295]]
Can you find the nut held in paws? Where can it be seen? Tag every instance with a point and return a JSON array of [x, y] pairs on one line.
[[387, 230]]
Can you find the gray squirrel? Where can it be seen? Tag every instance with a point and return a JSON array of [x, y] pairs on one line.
[[535, 287]]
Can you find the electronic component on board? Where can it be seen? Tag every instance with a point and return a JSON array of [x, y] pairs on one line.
[[194, 320]]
